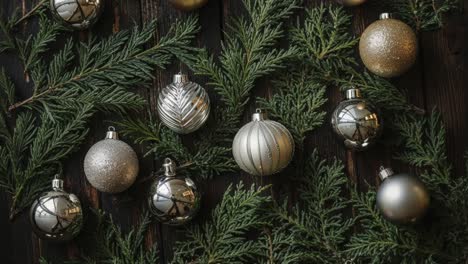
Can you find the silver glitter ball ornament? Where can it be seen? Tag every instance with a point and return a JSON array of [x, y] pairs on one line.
[[402, 198], [56, 215], [263, 147], [183, 106], [356, 121], [78, 14], [111, 165], [173, 200]]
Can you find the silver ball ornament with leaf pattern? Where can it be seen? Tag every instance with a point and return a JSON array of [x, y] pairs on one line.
[[183, 106], [56, 215]]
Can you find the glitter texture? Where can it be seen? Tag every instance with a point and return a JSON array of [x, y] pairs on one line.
[[388, 48], [111, 166]]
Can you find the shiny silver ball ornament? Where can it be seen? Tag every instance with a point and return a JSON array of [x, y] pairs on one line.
[[263, 147], [173, 200], [183, 106], [111, 165], [402, 198], [78, 14], [356, 121], [388, 47], [56, 215]]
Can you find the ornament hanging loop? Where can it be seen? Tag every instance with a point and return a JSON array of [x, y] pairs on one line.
[[112, 133], [259, 115], [386, 16], [57, 183], [169, 168], [384, 173], [353, 93]]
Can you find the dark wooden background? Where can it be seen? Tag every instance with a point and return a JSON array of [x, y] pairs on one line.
[[438, 79]]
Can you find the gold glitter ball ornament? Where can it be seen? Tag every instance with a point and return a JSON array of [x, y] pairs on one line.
[[188, 5], [388, 47], [111, 165], [351, 2]]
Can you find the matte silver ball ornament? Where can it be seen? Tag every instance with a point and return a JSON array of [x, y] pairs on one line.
[[56, 215], [357, 121], [402, 198], [183, 106], [173, 200], [388, 47], [263, 147], [77, 14], [111, 165]]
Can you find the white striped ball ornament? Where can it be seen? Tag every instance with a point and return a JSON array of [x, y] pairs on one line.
[[263, 147], [183, 106]]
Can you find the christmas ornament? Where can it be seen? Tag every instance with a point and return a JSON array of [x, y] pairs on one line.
[[356, 121], [78, 14], [188, 5], [351, 2], [183, 106], [111, 165], [401, 198], [56, 215], [263, 147], [388, 47], [173, 200]]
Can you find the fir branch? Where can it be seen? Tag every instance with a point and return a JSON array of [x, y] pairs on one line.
[[7, 91], [297, 103], [222, 239], [324, 41], [424, 15]]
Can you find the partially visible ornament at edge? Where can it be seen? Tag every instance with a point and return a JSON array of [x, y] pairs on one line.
[[183, 106], [174, 200], [111, 165], [263, 146], [78, 14], [56, 215], [357, 121], [351, 2], [388, 47], [402, 198], [188, 5]]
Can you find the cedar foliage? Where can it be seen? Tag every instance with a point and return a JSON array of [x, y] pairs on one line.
[[310, 229]]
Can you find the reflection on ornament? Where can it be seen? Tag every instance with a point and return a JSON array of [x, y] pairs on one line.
[[111, 165], [173, 200], [78, 14], [188, 5], [263, 147], [351, 2], [183, 106], [388, 47], [402, 198], [356, 121], [56, 215]]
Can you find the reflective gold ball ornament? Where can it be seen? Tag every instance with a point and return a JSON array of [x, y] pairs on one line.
[[78, 14], [188, 5], [263, 147], [111, 165], [388, 47], [56, 215], [351, 2], [402, 198]]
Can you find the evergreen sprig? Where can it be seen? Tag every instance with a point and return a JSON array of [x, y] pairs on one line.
[[223, 238], [42, 130]]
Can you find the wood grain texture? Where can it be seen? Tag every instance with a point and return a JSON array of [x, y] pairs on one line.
[[439, 79]]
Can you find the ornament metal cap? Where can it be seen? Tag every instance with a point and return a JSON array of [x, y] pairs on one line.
[[384, 173], [57, 183], [111, 133], [180, 78], [259, 115], [353, 93], [169, 167], [386, 16]]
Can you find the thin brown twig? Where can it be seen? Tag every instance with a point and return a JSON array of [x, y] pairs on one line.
[[31, 12]]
